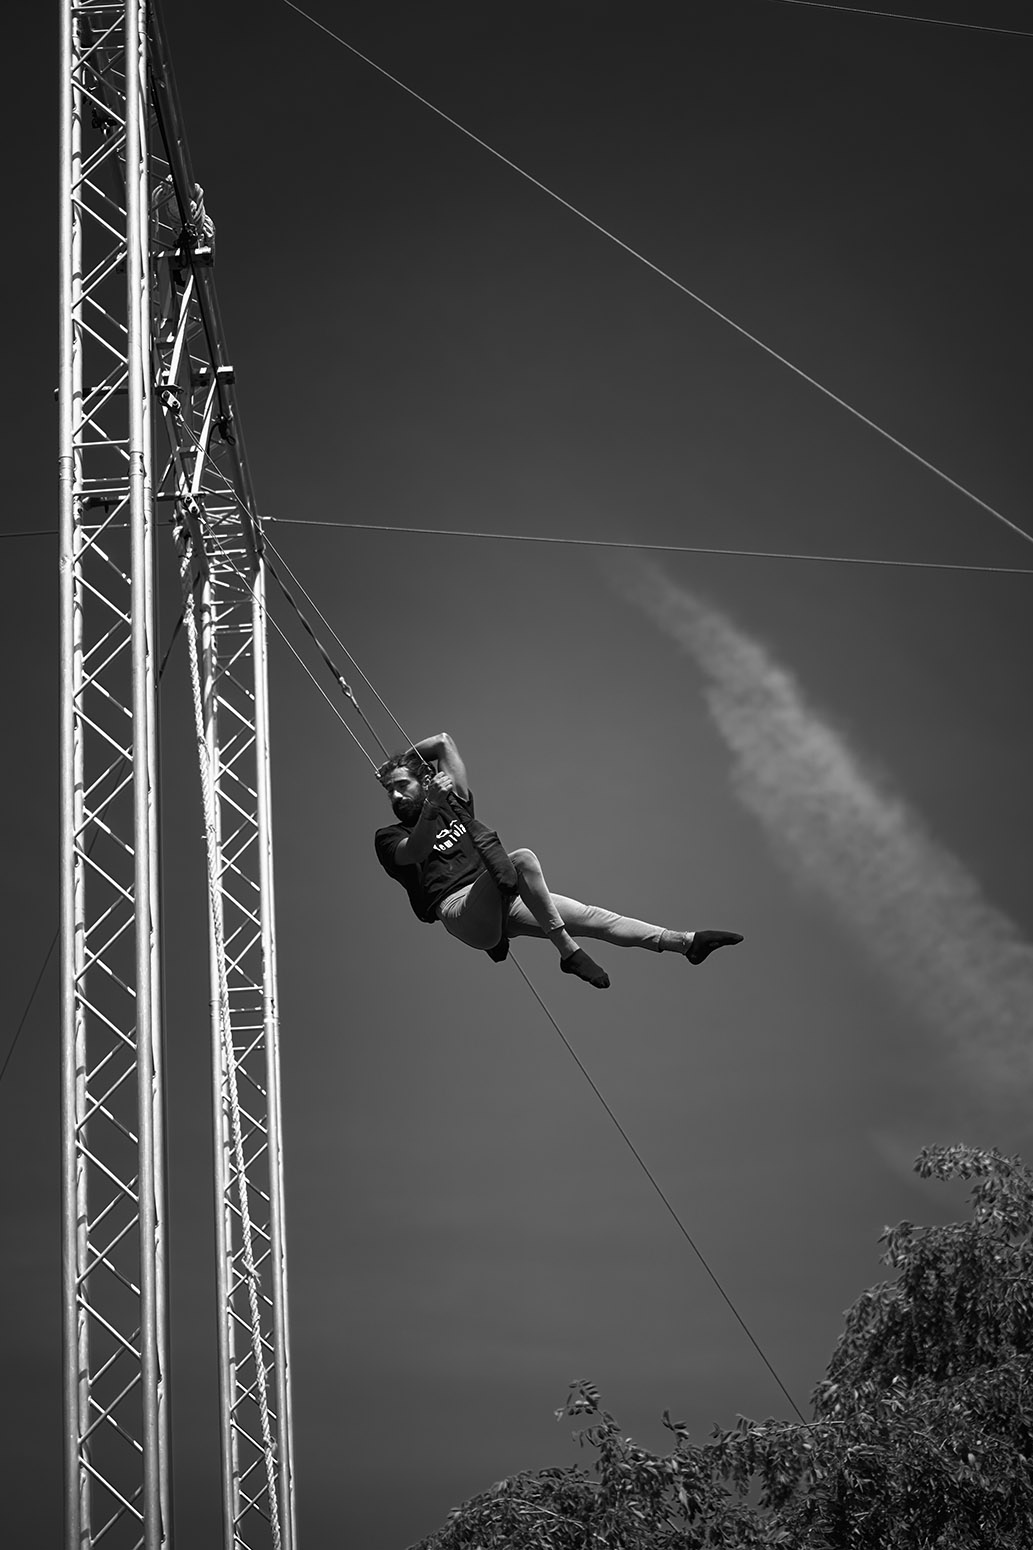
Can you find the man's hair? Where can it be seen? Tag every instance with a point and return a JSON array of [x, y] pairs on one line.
[[408, 760]]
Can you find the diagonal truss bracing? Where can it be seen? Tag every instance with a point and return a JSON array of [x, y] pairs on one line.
[[141, 335]]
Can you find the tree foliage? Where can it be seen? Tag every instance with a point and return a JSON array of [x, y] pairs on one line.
[[922, 1430]]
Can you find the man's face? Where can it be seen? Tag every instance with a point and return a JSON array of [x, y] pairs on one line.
[[405, 794]]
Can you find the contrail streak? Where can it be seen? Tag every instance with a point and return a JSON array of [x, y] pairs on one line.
[[912, 905]]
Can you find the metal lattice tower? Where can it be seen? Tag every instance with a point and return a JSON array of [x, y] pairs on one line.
[[140, 333]]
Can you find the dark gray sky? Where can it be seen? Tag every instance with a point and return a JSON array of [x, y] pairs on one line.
[[834, 760]]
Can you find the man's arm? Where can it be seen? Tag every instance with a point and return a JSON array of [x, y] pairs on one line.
[[442, 748]]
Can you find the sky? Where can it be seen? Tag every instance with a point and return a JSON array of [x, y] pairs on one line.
[[833, 759]]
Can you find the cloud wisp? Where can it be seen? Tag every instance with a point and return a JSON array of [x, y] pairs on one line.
[[914, 907]]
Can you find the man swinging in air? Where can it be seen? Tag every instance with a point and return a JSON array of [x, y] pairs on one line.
[[456, 871]]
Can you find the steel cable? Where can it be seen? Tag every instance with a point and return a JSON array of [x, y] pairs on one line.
[[616, 543], [649, 1175], [631, 1146], [670, 278], [901, 16]]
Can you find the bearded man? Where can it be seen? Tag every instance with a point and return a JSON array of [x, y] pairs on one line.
[[455, 870]]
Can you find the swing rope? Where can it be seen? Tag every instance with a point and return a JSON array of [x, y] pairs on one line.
[[633, 1149], [496, 862], [342, 682], [333, 704], [270, 548], [251, 1275], [531, 987]]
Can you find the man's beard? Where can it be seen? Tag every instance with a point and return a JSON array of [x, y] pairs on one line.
[[408, 809]]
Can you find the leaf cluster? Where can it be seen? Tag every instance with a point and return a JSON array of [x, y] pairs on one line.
[[922, 1430]]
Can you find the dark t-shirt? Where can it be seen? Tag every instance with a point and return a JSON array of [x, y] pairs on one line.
[[451, 864]]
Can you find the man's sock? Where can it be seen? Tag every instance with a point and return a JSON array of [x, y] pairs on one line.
[[564, 944], [701, 943], [579, 963]]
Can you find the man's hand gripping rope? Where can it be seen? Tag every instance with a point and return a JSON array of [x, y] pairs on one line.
[[440, 797]]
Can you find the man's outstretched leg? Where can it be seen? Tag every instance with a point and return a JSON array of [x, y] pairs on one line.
[[561, 919], [535, 895]]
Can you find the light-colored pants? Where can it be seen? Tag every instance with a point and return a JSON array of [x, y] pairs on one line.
[[474, 916]]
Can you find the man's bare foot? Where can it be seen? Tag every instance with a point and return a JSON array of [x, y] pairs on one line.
[[579, 963], [704, 942]]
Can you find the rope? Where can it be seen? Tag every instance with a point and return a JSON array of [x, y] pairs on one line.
[[35, 988], [493, 857], [330, 663], [343, 683], [897, 16], [664, 275], [637, 1155], [214, 905], [649, 1175], [332, 703], [598, 543], [313, 604], [339, 678], [613, 543], [496, 862]]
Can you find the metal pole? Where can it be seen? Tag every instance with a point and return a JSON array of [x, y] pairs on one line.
[[153, 1357], [221, 1138], [281, 1324], [74, 1343], [159, 1152]]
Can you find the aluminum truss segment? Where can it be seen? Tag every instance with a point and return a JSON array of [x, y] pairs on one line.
[[139, 318], [205, 480], [115, 1349]]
